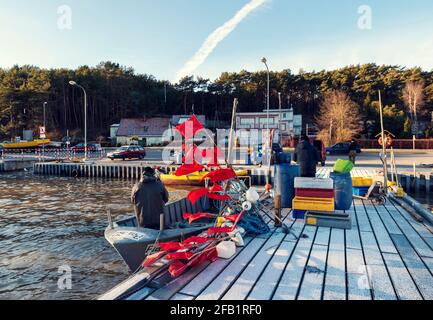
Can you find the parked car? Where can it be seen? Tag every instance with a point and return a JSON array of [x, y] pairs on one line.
[[128, 152], [91, 147], [341, 148]]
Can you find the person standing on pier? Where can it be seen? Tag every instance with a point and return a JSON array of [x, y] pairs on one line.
[[307, 156], [353, 148], [149, 197]]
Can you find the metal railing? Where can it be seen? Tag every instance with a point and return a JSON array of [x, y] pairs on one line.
[[50, 154]]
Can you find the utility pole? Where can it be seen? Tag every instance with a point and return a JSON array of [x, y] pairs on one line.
[[385, 164], [73, 83]]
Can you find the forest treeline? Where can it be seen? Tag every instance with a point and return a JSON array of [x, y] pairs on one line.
[[115, 92]]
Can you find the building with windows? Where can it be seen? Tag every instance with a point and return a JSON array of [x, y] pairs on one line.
[[284, 121]]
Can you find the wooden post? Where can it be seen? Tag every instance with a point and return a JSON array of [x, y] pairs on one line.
[[385, 164], [277, 213]]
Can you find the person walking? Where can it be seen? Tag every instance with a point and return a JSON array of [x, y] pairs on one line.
[[149, 197], [307, 156], [353, 151]]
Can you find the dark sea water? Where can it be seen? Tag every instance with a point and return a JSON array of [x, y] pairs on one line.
[[47, 223]]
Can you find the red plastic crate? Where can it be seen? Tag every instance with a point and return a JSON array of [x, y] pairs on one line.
[[315, 193]]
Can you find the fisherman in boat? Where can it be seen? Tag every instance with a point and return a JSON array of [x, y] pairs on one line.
[[307, 156], [149, 197]]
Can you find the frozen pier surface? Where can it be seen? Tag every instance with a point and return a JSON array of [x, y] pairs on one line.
[[386, 255]]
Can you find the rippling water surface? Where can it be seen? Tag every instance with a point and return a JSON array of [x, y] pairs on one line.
[[46, 223]]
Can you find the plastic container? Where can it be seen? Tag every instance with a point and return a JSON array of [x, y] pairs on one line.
[[226, 249], [343, 166], [314, 204], [315, 193], [362, 182], [284, 183], [343, 190], [299, 214], [314, 183], [284, 158], [360, 191]]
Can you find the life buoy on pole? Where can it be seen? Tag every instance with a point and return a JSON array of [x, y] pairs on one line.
[[388, 140], [75, 173]]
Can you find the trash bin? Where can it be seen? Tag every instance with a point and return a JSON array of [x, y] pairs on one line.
[[285, 183], [343, 190]]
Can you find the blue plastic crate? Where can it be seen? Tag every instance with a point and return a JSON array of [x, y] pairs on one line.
[[360, 191], [299, 214]]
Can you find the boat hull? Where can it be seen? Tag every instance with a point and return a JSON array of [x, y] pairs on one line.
[[133, 243], [195, 179]]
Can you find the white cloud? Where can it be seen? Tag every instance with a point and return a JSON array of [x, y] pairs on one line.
[[216, 37]]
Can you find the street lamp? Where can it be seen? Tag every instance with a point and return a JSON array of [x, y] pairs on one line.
[[74, 84], [265, 62], [45, 130]]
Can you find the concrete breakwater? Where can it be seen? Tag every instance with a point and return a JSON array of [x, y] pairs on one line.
[[420, 183], [16, 165]]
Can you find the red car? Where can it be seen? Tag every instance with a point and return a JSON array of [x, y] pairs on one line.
[[128, 152]]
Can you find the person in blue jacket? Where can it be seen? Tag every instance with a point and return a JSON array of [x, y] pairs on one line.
[[307, 157]]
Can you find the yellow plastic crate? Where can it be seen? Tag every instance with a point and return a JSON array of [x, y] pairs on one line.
[[362, 182], [314, 204]]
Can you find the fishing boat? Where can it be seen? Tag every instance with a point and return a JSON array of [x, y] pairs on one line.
[[26, 144], [194, 179], [134, 244]]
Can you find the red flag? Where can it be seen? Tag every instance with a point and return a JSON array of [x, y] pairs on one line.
[[196, 195], [180, 256], [220, 175], [177, 268], [171, 246], [216, 188], [233, 218], [150, 260], [220, 230], [187, 169], [198, 240], [197, 216], [189, 128]]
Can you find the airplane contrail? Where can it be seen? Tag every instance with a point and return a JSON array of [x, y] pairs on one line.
[[216, 37]]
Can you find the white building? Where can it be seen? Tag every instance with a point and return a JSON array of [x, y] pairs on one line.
[[284, 121]]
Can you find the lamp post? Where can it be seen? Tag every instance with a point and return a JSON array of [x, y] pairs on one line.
[[73, 83], [269, 151], [45, 129]]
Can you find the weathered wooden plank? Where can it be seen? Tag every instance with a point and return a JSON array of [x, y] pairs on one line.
[[385, 213], [335, 280], [312, 284], [363, 221], [243, 285], [414, 238], [381, 233], [322, 236], [418, 226], [381, 283], [403, 283], [267, 282], [182, 297], [358, 287], [420, 274], [223, 281], [289, 284], [199, 283]]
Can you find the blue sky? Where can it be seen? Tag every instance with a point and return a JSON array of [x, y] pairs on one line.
[[159, 36]]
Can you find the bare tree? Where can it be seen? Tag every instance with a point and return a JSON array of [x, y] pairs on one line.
[[413, 96], [339, 118]]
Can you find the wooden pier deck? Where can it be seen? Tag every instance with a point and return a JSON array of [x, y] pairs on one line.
[[386, 255]]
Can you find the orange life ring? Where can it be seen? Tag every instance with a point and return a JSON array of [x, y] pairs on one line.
[[388, 139]]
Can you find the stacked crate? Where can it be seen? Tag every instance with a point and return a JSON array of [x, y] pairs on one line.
[[361, 185], [313, 194]]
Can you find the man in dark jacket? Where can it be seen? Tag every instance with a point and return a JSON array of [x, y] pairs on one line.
[[307, 156], [149, 197], [353, 151]]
